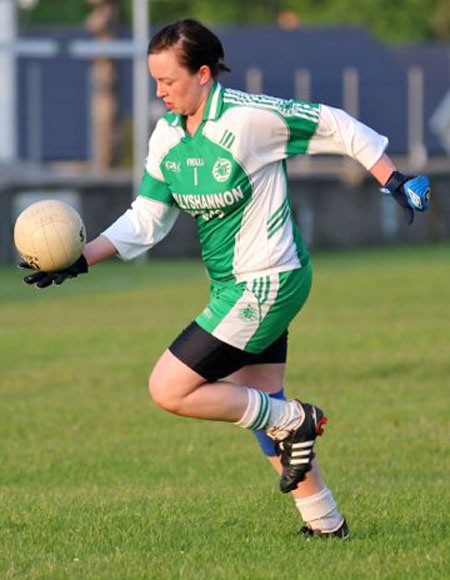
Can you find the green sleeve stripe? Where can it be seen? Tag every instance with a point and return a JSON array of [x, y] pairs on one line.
[[301, 132], [155, 189], [287, 108]]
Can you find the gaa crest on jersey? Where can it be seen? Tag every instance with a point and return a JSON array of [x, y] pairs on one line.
[[222, 169], [173, 166]]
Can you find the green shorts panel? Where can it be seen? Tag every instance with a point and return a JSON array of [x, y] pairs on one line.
[[251, 315]]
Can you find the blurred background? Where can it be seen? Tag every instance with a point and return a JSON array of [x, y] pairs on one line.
[[77, 104]]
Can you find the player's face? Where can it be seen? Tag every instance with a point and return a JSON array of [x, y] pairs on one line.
[[181, 91]]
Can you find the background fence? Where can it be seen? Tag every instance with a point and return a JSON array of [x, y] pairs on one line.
[[50, 146]]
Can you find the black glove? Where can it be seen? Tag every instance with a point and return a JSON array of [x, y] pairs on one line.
[[43, 279], [411, 193]]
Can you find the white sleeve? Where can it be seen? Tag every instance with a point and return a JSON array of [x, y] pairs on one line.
[[339, 133], [141, 227]]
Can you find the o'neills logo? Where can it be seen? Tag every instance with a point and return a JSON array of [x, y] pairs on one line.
[[195, 161], [209, 201]]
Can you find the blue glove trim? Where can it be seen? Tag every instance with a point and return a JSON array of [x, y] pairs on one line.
[[411, 193], [417, 192]]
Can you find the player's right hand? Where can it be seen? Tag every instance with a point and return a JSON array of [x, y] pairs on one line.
[[42, 279], [411, 193]]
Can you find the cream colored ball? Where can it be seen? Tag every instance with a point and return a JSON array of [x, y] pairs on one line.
[[49, 235]]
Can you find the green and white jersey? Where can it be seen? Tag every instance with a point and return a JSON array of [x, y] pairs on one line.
[[231, 177]]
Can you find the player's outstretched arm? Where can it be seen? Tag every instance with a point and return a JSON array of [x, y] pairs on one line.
[[99, 249], [338, 132]]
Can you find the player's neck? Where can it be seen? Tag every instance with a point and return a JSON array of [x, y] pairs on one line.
[[194, 121]]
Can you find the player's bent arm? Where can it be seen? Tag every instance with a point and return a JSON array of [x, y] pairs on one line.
[[383, 169], [338, 132], [142, 226], [341, 134]]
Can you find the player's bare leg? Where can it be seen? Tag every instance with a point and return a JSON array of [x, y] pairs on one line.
[[178, 389]]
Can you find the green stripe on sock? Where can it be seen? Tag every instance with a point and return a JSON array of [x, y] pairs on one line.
[[264, 411], [265, 418]]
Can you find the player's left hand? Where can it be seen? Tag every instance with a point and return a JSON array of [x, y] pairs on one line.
[[411, 193], [42, 279]]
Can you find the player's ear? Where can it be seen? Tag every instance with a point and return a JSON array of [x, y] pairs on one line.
[[204, 74]]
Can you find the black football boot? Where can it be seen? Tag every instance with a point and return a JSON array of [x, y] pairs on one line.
[[343, 532], [296, 449]]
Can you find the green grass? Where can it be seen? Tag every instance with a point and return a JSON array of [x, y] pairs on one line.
[[97, 483]]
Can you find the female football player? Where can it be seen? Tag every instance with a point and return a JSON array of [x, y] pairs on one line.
[[219, 155]]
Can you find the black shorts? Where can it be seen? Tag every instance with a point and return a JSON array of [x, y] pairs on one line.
[[214, 359]]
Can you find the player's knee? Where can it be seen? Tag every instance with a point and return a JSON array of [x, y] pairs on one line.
[[161, 393]]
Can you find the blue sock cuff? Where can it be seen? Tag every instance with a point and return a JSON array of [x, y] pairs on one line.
[[278, 395]]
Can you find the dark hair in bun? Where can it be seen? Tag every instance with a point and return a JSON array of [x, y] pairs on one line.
[[196, 44]]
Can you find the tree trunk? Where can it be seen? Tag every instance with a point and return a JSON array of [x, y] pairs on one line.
[[102, 23]]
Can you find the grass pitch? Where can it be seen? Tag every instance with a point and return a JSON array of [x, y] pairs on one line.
[[97, 483]]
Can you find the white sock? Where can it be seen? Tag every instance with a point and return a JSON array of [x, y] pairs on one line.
[[320, 511], [284, 416], [257, 411], [275, 415]]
